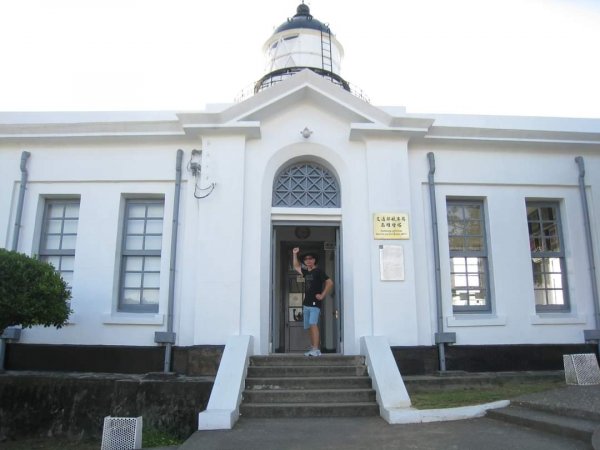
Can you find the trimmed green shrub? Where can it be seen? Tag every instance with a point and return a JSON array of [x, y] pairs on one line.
[[31, 292]]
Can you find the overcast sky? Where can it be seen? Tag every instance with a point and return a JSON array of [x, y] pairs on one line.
[[508, 57]]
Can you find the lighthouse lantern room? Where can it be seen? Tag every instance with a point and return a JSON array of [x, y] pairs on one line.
[[302, 42]]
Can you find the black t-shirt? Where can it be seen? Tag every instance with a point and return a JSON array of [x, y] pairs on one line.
[[313, 285]]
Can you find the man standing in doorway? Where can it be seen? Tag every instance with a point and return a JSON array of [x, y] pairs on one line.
[[316, 287]]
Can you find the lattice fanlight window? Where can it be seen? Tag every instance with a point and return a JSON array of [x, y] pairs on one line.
[[306, 185]]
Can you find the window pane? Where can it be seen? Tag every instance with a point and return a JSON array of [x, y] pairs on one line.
[[473, 228], [473, 244], [458, 264], [131, 296], [154, 226], [54, 226], [67, 263], [134, 242], [538, 275], [552, 244], [473, 212], [68, 242], [153, 243], [152, 264], [555, 297], [54, 260], [133, 263], [533, 213], [155, 210], [540, 297], [151, 280], [457, 243], [135, 226], [534, 228], [133, 280], [136, 210], [70, 226], [535, 243], [455, 228], [55, 210], [473, 280], [67, 276], [455, 212], [458, 280], [548, 213], [150, 296], [52, 242], [72, 210]]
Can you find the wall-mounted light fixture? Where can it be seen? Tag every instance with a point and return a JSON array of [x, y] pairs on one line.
[[195, 167]]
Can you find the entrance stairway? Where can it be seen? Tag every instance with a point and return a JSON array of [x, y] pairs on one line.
[[293, 385]]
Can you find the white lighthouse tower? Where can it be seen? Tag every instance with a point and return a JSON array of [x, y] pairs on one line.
[[302, 42]]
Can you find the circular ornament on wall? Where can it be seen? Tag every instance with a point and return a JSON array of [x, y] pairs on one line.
[[302, 232]]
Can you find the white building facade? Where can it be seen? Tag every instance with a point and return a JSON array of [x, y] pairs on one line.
[[305, 162]]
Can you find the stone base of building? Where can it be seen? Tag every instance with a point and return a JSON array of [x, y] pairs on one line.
[[204, 360], [191, 361], [487, 358]]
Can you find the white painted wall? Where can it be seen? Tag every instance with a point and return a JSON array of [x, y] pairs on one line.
[[504, 179], [224, 254]]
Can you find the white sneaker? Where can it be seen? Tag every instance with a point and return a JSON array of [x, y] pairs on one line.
[[313, 352]]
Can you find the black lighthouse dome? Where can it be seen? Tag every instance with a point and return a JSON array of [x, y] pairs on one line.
[[302, 19]]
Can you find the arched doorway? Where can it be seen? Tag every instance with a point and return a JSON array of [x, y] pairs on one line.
[[297, 188]]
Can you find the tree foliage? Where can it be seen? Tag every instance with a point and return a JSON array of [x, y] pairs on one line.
[[31, 292]]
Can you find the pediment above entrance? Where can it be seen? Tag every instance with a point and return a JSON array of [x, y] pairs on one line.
[[303, 88]]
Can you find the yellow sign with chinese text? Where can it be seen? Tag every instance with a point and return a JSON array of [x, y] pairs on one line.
[[390, 226]]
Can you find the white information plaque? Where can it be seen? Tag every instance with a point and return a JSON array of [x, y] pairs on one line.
[[391, 262]]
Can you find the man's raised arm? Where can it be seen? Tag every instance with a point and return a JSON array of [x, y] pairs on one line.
[[295, 261]]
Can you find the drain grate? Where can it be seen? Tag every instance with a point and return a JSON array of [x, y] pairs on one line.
[[122, 433], [581, 369]]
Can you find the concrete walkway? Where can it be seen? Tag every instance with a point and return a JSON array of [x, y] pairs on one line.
[[374, 433]]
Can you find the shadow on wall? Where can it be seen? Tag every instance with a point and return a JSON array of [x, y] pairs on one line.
[[74, 406]]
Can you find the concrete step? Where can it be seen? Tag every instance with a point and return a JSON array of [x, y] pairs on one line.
[[299, 359], [461, 380], [279, 410], [309, 396], [559, 410], [573, 427], [306, 370], [301, 386], [338, 382]]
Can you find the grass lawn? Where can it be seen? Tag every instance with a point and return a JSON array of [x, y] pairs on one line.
[[478, 395]]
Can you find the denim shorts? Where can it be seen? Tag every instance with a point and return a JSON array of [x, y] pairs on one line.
[[311, 316]]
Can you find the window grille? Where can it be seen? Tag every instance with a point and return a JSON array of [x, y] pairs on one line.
[[468, 256], [59, 236], [306, 185], [547, 257], [141, 252]]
